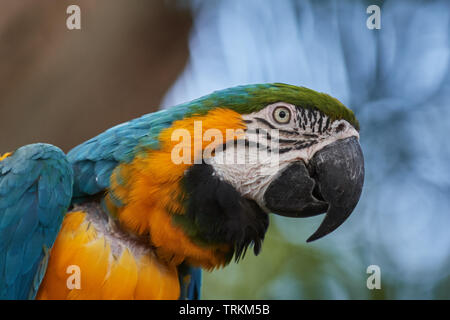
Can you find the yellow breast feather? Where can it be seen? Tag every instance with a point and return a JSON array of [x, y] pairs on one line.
[[89, 262]]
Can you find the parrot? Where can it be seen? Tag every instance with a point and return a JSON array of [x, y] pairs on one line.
[[138, 211]]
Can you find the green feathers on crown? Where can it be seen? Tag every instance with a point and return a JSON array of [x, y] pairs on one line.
[[251, 98]]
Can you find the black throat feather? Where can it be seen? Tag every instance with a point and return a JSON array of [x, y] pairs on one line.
[[216, 213]]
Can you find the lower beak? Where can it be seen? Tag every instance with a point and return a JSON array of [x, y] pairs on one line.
[[332, 182]]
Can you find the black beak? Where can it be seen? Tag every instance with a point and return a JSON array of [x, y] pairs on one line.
[[332, 183]]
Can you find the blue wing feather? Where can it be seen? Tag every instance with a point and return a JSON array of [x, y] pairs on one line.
[[190, 279], [35, 192], [94, 160], [194, 288]]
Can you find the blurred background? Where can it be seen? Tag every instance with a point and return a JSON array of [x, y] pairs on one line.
[[132, 57]]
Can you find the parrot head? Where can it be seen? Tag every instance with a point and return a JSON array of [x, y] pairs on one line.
[[292, 151]]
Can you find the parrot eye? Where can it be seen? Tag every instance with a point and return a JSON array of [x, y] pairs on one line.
[[282, 115]]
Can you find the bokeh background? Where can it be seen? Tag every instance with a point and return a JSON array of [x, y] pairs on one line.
[[132, 57]]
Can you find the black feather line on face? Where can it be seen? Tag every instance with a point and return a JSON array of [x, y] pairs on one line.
[[216, 213], [260, 131]]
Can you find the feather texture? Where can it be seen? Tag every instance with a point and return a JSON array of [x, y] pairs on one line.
[[35, 191], [111, 266]]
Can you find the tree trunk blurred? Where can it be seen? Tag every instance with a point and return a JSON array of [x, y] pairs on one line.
[[64, 86]]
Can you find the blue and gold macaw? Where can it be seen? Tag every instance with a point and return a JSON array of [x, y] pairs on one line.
[[140, 209]]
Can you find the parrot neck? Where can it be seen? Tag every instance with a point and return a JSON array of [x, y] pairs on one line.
[[148, 208], [147, 196]]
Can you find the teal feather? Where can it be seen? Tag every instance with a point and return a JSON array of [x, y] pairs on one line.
[[36, 184]]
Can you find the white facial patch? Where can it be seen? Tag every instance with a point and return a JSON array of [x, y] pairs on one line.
[[271, 144]]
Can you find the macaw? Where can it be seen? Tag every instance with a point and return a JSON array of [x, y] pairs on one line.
[[123, 213]]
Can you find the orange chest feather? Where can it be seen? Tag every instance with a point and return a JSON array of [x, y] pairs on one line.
[[150, 192], [87, 264]]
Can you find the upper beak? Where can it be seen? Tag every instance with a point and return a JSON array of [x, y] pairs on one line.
[[332, 182]]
